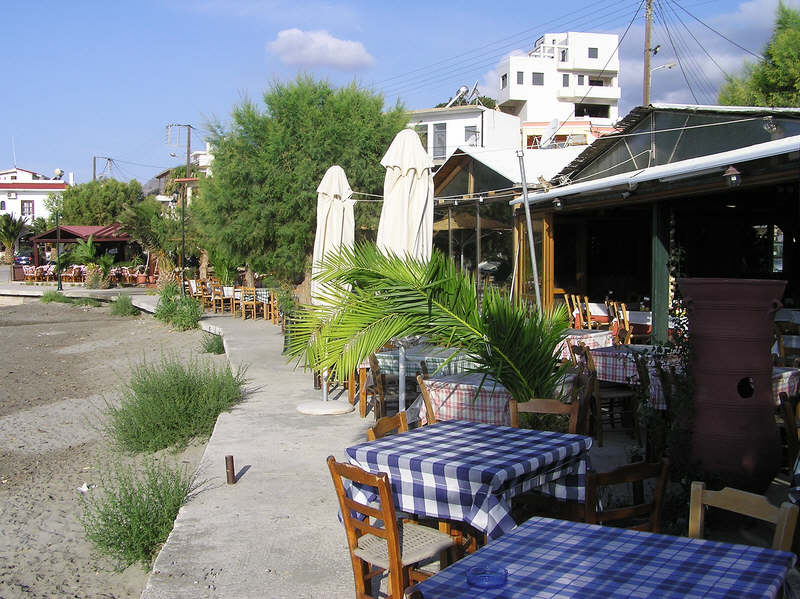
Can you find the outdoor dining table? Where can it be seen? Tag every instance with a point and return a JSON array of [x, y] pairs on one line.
[[441, 360], [617, 364], [469, 471], [591, 338], [558, 558], [467, 397]]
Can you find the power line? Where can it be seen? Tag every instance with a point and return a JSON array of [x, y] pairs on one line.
[[717, 32], [680, 64], [702, 47], [469, 65], [688, 65]]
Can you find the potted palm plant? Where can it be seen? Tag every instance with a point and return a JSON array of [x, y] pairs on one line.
[[372, 298]]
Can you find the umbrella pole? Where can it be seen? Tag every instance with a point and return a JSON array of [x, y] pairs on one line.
[[450, 233], [520, 154], [401, 375]]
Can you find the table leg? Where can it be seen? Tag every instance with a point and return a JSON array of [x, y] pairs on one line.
[[362, 392], [351, 388]]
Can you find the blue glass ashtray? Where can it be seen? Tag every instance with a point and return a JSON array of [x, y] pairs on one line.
[[486, 577]]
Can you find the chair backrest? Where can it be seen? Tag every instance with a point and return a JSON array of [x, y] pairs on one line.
[[742, 502], [262, 295], [227, 291], [635, 474], [543, 406], [248, 294], [193, 286], [790, 424], [216, 290], [375, 372], [423, 369], [430, 415], [356, 516], [584, 358], [388, 425]]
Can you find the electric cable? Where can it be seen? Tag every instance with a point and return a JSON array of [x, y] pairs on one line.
[[758, 56], [680, 65]]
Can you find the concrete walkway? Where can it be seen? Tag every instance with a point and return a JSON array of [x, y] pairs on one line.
[[274, 533]]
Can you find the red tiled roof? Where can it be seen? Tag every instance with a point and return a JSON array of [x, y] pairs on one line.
[[34, 185]]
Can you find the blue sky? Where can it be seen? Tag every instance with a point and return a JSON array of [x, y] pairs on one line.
[[104, 78]]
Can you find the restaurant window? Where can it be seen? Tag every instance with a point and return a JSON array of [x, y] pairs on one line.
[[580, 79], [504, 81], [538, 79], [439, 140], [592, 52], [564, 80], [2, 204], [422, 131], [563, 56], [600, 111], [471, 135], [520, 77], [27, 207]]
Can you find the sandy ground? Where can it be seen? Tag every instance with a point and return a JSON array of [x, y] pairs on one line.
[[59, 365]]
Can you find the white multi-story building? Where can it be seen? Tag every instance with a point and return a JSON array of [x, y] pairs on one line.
[[569, 77], [442, 130], [23, 193]]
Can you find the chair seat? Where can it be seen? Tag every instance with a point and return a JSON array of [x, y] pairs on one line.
[[417, 543]]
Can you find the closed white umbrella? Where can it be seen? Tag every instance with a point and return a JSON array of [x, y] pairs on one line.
[[335, 222], [335, 230], [406, 225]]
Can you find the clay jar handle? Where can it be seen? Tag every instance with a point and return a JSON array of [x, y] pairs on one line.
[[775, 305]]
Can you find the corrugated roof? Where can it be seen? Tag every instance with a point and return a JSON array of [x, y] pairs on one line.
[[638, 114], [538, 162], [671, 170]]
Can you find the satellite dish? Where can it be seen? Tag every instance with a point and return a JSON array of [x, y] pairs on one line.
[[459, 94], [549, 134], [58, 173]]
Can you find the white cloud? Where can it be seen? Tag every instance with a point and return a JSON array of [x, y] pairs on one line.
[[319, 49]]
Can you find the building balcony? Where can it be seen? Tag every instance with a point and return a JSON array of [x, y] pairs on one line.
[[575, 93]]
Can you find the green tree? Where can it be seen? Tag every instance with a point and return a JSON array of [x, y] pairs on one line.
[[485, 101], [10, 230], [774, 80], [98, 202], [260, 205]]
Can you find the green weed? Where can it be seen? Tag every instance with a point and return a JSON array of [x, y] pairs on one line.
[[55, 296], [86, 301], [133, 511], [212, 344], [124, 307], [168, 404]]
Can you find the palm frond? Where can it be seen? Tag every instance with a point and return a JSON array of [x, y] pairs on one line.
[[371, 298]]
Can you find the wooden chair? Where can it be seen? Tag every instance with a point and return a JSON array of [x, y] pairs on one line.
[[623, 333], [610, 399], [264, 303], [577, 409], [395, 546], [790, 430], [247, 302], [430, 414], [742, 502], [377, 390], [388, 425], [635, 474], [217, 298]]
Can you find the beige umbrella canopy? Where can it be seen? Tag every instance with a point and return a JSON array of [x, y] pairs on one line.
[[406, 225], [335, 222]]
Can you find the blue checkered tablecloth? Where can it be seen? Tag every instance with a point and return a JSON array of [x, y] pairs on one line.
[[560, 559], [468, 471]]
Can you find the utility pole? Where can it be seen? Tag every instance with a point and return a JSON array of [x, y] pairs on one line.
[[185, 195], [94, 165], [647, 52]]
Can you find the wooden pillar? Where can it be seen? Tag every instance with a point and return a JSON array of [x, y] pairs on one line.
[[659, 272], [581, 257], [548, 260]]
